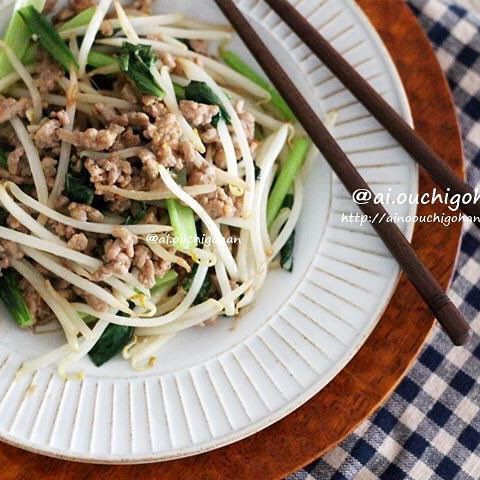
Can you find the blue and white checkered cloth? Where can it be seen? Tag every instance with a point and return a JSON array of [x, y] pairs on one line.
[[430, 427]]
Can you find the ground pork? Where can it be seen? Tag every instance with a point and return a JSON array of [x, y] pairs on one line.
[[217, 204], [65, 232], [48, 75], [154, 107], [13, 160], [168, 60], [39, 310], [201, 174], [80, 5], [49, 166], [118, 254], [14, 224], [84, 213], [46, 136], [78, 242], [199, 46], [110, 115], [198, 114], [62, 117], [127, 139], [92, 139], [148, 266], [92, 300], [9, 107], [109, 171], [210, 135], [165, 130], [9, 251], [144, 6], [149, 162]]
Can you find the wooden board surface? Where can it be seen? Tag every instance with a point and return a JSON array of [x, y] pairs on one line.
[[375, 371]]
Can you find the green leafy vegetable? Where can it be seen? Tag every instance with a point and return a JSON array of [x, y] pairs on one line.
[[200, 92], [79, 189], [3, 158], [204, 292], [235, 62], [167, 280], [80, 20], [98, 59], [286, 177], [31, 55], [112, 342], [182, 220], [138, 211], [17, 37], [136, 61], [179, 91], [13, 299], [41, 26], [286, 253]]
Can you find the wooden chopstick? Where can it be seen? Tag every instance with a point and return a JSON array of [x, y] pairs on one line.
[[428, 288], [420, 151]]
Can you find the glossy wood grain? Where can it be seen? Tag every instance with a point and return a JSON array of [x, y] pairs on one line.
[[375, 371]]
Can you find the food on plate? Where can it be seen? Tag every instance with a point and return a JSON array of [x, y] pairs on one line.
[[149, 178]]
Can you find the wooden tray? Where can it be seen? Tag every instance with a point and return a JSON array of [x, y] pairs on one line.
[[375, 371]]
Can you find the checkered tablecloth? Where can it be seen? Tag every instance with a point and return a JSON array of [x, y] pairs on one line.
[[430, 427]]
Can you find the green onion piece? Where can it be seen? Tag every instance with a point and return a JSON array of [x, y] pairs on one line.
[[111, 342], [286, 253], [31, 55], [182, 220], [13, 299], [167, 280], [52, 42], [98, 59], [138, 211], [179, 91], [200, 92], [286, 177], [235, 62], [136, 61], [78, 189], [17, 37], [80, 20], [3, 158]]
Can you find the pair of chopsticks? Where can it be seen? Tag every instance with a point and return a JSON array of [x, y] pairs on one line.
[[427, 286]]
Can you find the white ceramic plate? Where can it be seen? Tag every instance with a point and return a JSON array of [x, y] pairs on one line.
[[213, 386]]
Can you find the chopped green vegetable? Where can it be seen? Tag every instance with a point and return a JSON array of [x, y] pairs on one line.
[[182, 220], [204, 292], [179, 91], [286, 177], [235, 62], [17, 37], [80, 20], [167, 280], [136, 61], [3, 158], [13, 299], [31, 55], [286, 253], [41, 26], [78, 189], [98, 59], [138, 211], [200, 92], [112, 342]]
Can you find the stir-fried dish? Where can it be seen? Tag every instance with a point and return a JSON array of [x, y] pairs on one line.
[[149, 178]]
